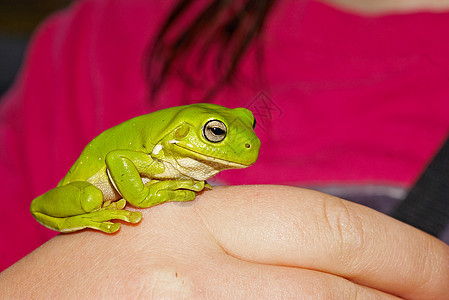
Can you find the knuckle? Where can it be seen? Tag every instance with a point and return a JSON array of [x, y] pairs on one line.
[[345, 226], [434, 268]]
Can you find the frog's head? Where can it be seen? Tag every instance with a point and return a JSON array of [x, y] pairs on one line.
[[205, 139]]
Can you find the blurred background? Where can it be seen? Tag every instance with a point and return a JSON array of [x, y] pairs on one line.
[[18, 20]]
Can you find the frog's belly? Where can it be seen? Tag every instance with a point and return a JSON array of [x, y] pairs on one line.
[[101, 180], [180, 169], [188, 168]]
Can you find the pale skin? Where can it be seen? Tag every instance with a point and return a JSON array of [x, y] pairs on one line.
[[245, 242]]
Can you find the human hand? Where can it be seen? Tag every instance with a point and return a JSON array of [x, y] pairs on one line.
[[242, 242]]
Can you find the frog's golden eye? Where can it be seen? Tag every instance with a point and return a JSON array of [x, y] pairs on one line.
[[214, 131]]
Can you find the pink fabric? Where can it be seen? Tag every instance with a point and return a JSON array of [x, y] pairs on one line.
[[350, 99]]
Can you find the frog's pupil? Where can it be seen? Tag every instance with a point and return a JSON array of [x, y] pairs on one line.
[[217, 131]]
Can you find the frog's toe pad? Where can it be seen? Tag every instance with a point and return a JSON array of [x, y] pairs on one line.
[[135, 217], [120, 204], [109, 227]]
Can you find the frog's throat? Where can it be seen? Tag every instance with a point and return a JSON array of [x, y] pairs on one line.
[[220, 161]]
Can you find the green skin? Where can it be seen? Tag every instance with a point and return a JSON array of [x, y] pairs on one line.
[[148, 160]]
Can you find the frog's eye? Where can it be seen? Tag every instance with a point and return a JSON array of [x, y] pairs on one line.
[[214, 131], [254, 124]]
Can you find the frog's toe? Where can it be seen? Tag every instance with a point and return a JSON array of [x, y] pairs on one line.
[[135, 217], [108, 227], [120, 204], [101, 220], [116, 214], [198, 186], [192, 185], [179, 195]]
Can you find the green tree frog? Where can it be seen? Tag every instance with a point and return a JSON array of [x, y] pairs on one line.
[[163, 156]]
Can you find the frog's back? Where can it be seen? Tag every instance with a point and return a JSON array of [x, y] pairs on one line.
[[136, 134]]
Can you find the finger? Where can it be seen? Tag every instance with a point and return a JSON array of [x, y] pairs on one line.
[[301, 228], [224, 277], [276, 282]]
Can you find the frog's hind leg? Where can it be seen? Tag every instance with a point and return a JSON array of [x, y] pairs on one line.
[[79, 205], [99, 220]]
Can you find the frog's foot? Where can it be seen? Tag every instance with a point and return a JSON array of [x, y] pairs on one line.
[[100, 220], [170, 190]]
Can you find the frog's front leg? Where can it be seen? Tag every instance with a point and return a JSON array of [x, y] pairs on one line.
[[79, 205], [125, 168], [170, 190]]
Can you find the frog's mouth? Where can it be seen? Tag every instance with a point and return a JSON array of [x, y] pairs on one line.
[[213, 160]]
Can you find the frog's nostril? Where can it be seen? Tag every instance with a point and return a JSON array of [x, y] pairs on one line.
[[247, 145]]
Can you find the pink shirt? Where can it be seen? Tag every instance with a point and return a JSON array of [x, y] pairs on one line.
[[340, 99]]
